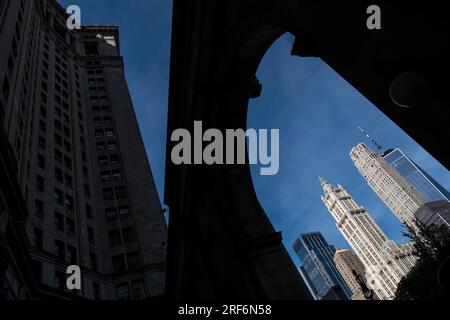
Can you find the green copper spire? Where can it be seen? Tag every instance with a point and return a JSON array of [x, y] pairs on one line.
[[325, 184]]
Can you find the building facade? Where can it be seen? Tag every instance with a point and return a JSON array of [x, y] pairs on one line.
[[416, 176], [318, 268], [434, 213], [81, 162], [347, 262], [402, 198], [384, 261]]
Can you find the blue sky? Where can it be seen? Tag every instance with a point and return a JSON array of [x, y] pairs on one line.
[[316, 111]]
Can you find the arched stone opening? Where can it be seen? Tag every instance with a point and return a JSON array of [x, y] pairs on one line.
[[221, 243]]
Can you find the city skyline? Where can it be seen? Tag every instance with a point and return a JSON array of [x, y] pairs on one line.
[[385, 261], [318, 114], [292, 87]]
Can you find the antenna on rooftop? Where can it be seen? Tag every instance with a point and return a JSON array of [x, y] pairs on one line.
[[368, 136]]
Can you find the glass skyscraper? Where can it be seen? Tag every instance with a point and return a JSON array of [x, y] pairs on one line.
[[415, 175], [318, 268]]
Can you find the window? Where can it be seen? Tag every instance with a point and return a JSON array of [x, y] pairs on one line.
[[59, 221], [89, 211], [108, 194], [68, 162], [58, 156], [58, 113], [121, 192], [124, 211], [99, 133], [66, 129], [107, 120], [128, 235], [42, 126], [71, 255], [117, 175], [118, 263], [138, 289], [103, 161], [69, 203], [41, 142], [97, 121], [83, 142], [38, 238], [87, 190], [58, 124], [109, 132], [41, 161], [39, 208], [114, 238], [70, 227], [43, 111], [40, 183], [58, 139], [58, 175], [123, 291], [59, 250], [101, 146], [114, 159], [59, 197], [133, 261], [68, 181], [94, 264], [67, 146], [85, 172], [105, 176], [111, 214], [112, 146], [91, 235]]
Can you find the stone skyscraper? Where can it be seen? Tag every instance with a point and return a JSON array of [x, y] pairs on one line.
[[402, 198], [347, 262], [318, 268], [81, 162], [385, 262]]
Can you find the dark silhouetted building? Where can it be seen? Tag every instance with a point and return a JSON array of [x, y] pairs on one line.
[[318, 269], [79, 158]]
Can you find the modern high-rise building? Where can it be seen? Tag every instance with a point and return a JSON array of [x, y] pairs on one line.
[[81, 162], [384, 261], [347, 262], [434, 213], [401, 197], [416, 176], [318, 268]]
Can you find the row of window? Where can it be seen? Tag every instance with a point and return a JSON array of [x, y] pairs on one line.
[[65, 224], [121, 236], [122, 263], [102, 133], [114, 193], [108, 176], [137, 290]]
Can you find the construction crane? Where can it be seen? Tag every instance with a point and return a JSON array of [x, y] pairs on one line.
[[376, 144]]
